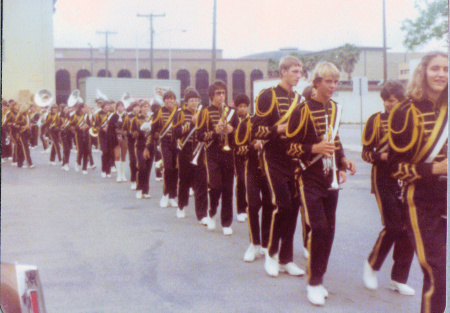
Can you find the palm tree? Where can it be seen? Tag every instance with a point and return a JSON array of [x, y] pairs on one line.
[[348, 56]]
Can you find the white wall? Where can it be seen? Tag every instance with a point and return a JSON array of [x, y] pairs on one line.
[[28, 61], [351, 104]]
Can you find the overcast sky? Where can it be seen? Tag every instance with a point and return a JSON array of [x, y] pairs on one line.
[[243, 26]]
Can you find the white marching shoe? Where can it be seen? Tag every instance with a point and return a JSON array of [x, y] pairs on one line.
[[403, 289], [133, 186], [227, 231], [211, 224], [181, 213], [84, 172], [271, 266], [139, 194], [369, 277], [113, 169], [251, 253], [123, 168], [204, 221], [191, 192], [241, 217], [292, 269], [173, 203], [164, 202], [119, 171], [315, 295], [104, 174], [146, 196]]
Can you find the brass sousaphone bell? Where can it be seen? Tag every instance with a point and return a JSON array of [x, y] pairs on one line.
[[43, 97]]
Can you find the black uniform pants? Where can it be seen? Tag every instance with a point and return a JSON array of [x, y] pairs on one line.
[[6, 144], [107, 153], [170, 175], [83, 140], [24, 149], [144, 168], [241, 201], [132, 158], [34, 135], [258, 195], [43, 138], [66, 138], [220, 180], [427, 206], [56, 149], [394, 233], [286, 203], [194, 176], [320, 208]]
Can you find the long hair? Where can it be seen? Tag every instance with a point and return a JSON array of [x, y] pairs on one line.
[[417, 87]]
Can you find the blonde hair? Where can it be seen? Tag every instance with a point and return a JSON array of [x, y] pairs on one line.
[[288, 61], [323, 69], [417, 87]]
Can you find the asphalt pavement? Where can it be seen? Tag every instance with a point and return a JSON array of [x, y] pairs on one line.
[[99, 249]]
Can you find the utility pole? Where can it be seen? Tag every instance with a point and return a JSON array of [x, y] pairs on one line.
[[150, 18], [213, 66], [384, 44], [92, 61], [106, 33]]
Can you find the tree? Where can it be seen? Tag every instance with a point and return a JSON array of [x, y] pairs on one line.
[[347, 57], [432, 23]]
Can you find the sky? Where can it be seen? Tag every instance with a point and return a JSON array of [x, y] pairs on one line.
[[243, 26]]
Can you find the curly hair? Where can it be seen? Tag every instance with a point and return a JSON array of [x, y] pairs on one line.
[[416, 89]]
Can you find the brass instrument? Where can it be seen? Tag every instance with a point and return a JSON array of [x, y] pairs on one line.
[[223, 133], [196, 153], [43, 97], [330, 163], [180, 144], [94, 131], [74, 98]]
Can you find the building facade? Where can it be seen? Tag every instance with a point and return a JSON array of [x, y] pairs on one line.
[[191, 66], [28, 60]]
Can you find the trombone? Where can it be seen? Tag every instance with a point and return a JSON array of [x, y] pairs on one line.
[[223, 133], [330, 162]]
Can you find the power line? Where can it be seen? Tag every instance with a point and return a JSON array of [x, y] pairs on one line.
[[106, 33], [150, 18]]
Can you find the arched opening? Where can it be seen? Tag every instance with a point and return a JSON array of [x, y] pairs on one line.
[[82, 74], [163, 74], [222, 75], [238, 82], [62, 86], [202, 84], [124, 74], [185, 80], [254, 75], [144, 74], [102, 73]]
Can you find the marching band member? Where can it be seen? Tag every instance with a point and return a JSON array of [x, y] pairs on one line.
[[312, 129], [9, 121], [133, 110], [418, 143], [272, 109], [215, 126], [34, 119], [24, 133], [241, 103], [144, 155], [52, 124], [44, 130], [162, 130], [386, 190], [190, 175], [66, 135], [7, 149], [100, 121], [118, 140], [257, 190], [81, 122], [111, 138]]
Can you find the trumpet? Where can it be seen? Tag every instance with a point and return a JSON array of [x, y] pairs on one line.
[[223, 133]]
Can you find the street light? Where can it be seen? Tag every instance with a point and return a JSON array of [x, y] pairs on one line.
[[92, 62], [170, 46]]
